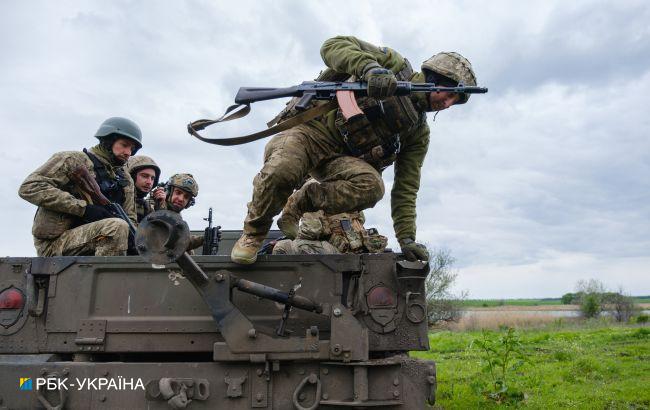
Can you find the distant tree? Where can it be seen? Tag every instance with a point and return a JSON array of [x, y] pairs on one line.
[[591, 297], [590, 286], [620, 305], [568, 298], [442, 304]]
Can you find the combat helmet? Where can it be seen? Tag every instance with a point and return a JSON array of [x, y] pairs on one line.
[[120, 127], [453, 66], [187, 183], [139, 162]]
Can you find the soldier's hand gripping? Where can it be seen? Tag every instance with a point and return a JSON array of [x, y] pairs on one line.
[[94, 213], [414, 251], [381, 82]]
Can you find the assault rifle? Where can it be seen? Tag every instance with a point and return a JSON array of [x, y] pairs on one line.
[[327, 90], [339, 95], [89, 188], [211, 236]]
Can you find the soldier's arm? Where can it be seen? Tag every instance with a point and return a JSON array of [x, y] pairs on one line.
[[347, 54], [43, 187], [195, 241], [408, 167], [129, 200]]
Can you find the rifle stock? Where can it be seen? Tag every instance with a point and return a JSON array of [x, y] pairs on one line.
[[88, 186], [247, 95]]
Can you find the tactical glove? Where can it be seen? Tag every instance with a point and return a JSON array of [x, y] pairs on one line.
[[413, 251], [94, 213], [381, 82]]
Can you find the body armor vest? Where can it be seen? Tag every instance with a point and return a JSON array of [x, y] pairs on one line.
[[375, 136], [112, 188]]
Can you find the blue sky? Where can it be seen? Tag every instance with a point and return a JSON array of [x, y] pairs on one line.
[[540, 183]]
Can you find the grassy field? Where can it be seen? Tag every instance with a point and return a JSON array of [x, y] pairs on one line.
[[478, 303], [595, 365]]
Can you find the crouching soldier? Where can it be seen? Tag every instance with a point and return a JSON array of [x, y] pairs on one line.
[[320, 233], [66, 222], [179, 193], [145, 174]]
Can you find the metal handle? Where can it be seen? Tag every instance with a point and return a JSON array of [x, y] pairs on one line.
[[311, 379]]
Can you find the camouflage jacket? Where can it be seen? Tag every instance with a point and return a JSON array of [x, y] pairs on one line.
[[143, 207], [58, 201], [350, 55]]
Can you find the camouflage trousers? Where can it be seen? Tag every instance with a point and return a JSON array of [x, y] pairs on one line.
[[108, 237], [345, 183], [303, 247]]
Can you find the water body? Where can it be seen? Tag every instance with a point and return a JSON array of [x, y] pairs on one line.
[[482, 313]]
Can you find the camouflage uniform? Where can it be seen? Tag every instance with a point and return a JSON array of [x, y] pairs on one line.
[[143, 206], [318, 148], [187, 183], [320, 233], [55, 229], [347, 156]]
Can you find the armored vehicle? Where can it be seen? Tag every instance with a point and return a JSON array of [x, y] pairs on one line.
[[168, 330]]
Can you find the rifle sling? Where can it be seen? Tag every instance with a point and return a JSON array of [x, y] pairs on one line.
[[232, 113]]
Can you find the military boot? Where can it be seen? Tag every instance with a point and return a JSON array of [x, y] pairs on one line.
[[290, 218], [245, 250]]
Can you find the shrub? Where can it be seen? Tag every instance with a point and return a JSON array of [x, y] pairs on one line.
[[590, 305], [442, 305], [620, 306]]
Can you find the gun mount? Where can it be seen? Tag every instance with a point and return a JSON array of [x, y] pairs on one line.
[[289, 332]]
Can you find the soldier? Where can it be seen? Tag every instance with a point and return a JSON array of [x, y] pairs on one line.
[[66, 224], [145, 174], [347, 157], [320, 233], [178, 194]]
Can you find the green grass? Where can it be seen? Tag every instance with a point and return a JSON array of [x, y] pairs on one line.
[[591, 367], [509, 302]]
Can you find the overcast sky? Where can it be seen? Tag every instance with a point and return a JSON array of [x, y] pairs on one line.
[[541, 182]]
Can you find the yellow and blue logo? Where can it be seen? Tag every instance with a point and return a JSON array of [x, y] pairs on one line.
[[25, 383]]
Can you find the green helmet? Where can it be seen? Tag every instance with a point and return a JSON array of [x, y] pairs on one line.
[[187, 183], [454, 66], [139, 162], [122, 127]]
